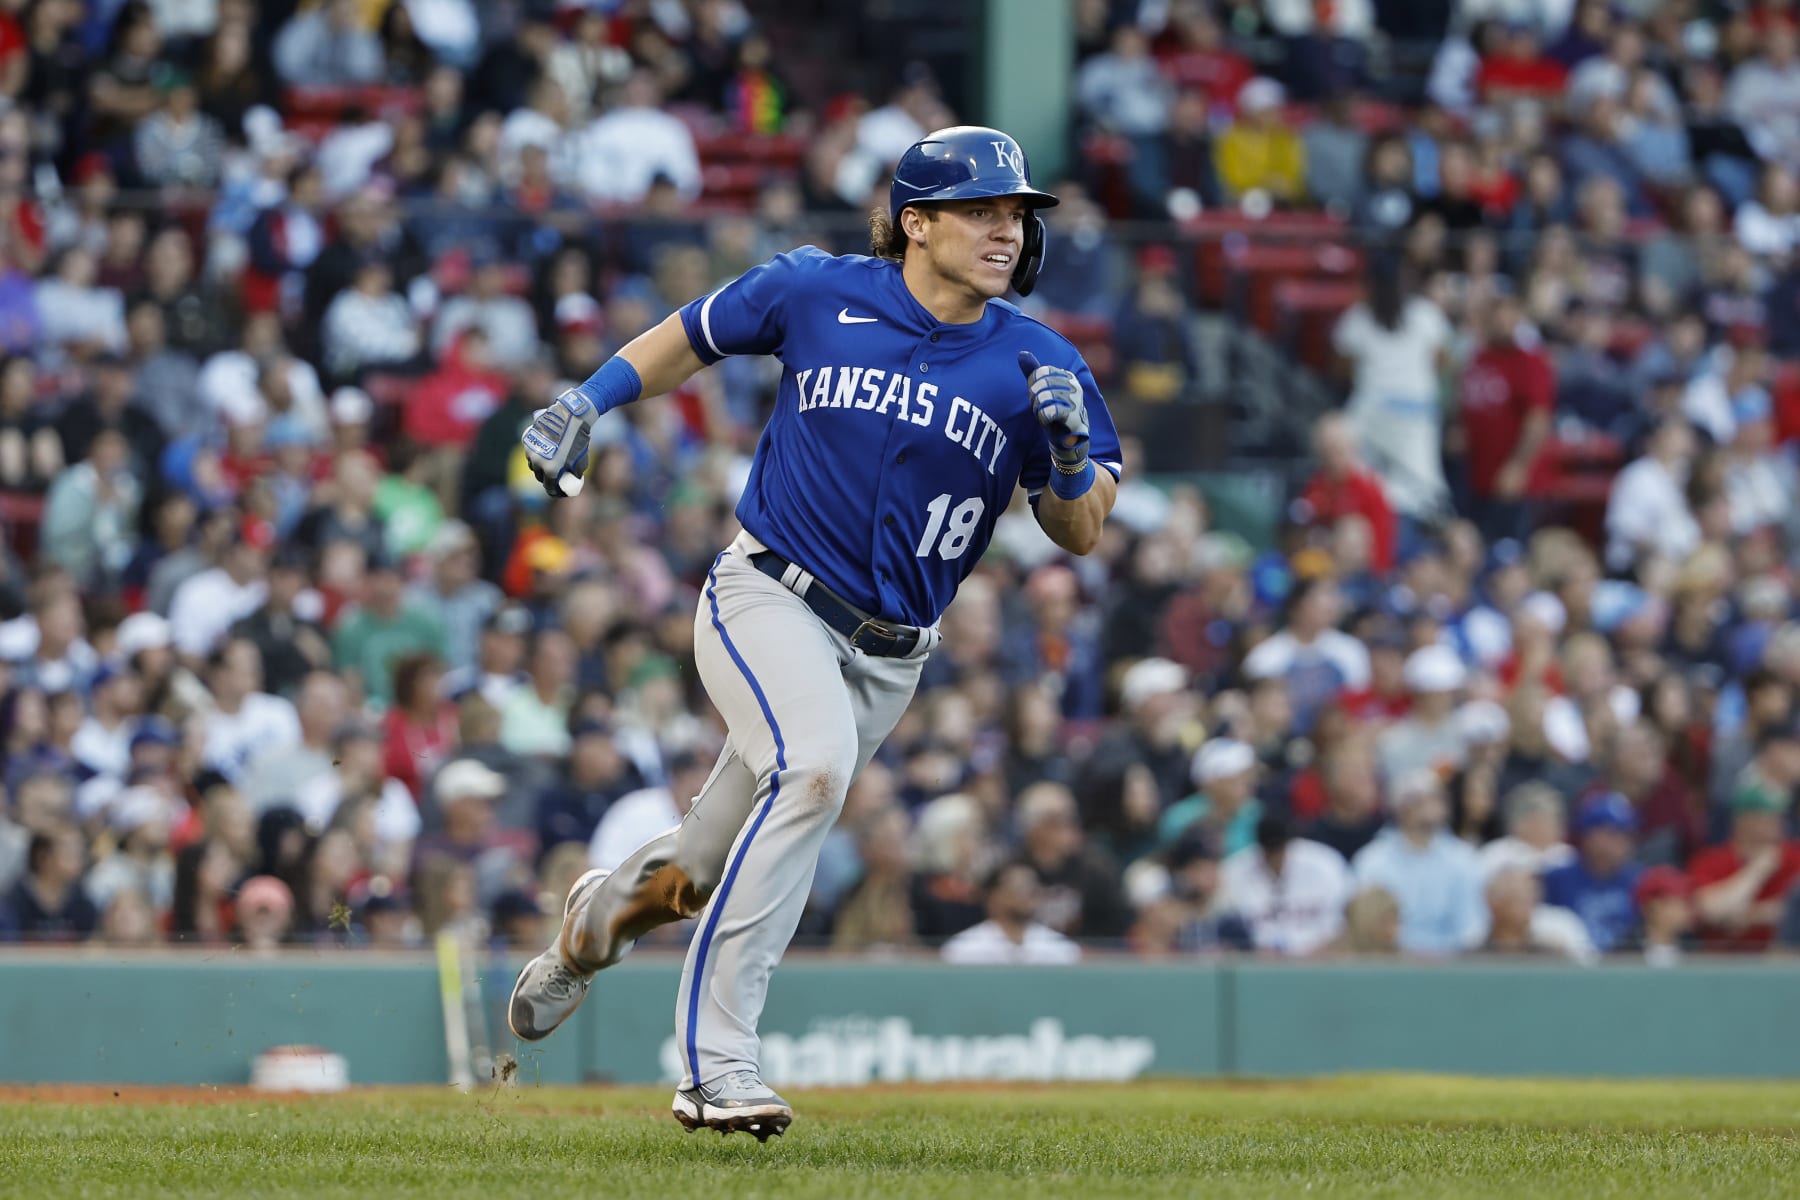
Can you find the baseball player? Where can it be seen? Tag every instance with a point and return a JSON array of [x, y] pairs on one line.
[[913, 402]]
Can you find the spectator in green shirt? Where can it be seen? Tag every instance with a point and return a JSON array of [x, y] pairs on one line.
[[535, 717], [383, 628]]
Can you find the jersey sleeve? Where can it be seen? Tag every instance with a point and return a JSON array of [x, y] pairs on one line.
[[749, 314], [1103, 439]]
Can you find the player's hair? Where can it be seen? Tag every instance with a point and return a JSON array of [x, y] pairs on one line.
[[886, 238]]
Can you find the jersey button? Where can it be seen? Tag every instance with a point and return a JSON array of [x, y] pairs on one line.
[[934, 337], [900, 458], [923, 367], [888, 520]]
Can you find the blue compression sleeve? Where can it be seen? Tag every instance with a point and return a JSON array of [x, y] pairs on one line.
[[616, 383]]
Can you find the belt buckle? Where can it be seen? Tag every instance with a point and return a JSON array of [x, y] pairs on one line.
[[875, 627]]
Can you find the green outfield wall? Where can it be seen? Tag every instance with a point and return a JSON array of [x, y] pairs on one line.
[[187, 1019]]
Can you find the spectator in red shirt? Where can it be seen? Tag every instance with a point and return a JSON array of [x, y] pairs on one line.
[[1342, 486], [1191, 51], [450, 404], [1504, 402], [420, 730], [1514, 67], [1741, 886]]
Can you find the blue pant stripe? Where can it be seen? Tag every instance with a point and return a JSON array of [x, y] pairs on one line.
[[718, 901]]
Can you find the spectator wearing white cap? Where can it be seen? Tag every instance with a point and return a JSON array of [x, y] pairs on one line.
[[1428, 737], [1291, 891], [1475, 790], [465, 792], [140, 818], [351, 411], [1435, 876], [1260, 152], [1519, 922], [1225, 808], [1158, 711]]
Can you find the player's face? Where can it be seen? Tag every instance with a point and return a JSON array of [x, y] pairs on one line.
[[977, 243]]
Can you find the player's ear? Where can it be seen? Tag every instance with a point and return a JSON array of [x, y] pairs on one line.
[[912, 223]]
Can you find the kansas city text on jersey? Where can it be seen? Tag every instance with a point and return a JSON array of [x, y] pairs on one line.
[[873, 389]]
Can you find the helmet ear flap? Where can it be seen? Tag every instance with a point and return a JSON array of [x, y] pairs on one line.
[[1031, 259]]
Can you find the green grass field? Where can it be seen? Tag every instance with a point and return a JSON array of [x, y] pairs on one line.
[[1352, 1137]]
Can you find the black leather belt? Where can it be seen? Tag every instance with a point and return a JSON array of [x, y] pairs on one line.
[[872, 635]]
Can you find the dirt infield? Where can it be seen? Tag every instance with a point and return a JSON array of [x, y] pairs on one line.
[[106, 1093]]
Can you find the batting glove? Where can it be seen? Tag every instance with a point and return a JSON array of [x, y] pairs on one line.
[[1056, 399], [556, 444]]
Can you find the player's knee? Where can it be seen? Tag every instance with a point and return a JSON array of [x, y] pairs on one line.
[[818, 787]]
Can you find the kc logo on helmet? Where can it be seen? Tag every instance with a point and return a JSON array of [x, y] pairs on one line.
[[1012, 159]]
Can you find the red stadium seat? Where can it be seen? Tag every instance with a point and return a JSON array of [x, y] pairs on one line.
[[1255, 269], [21, 514], [1092, 336], [1216, 234], [1576, 476], [313, 112], [1306, 310], [388, 390], [1786, 393]]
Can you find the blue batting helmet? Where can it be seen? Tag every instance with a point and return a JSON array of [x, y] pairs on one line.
[[962, 162], [968, 161]]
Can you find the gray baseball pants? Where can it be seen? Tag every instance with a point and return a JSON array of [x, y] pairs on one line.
[[805, 712]]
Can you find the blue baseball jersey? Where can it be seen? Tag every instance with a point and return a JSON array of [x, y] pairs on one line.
[[897, 440]]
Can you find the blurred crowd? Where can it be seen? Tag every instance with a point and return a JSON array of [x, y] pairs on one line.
[[293, 650]]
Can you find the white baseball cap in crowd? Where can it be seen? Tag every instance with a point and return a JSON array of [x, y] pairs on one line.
[[451, 536], [96, 796], [18, 639], [142, 631], [1221, 758], [1150, 677], [351, 406], [1482, 723], [1260, 95], [1433, 669], [135, 807], [467, 777], [1546, 610]]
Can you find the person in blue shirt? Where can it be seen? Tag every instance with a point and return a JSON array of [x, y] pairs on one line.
[[914, 402], [1600, 886], [1434, 875]]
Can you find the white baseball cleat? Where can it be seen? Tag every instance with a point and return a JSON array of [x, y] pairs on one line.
[[738, 1101], [549, 990]]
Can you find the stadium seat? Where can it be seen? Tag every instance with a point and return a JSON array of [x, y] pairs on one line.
[[21, 513], [1092, 336], [313, 112], [1254, 270], [1306, 310], [1575, 475]]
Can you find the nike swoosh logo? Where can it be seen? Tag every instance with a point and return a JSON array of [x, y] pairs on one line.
[[844, 318]]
